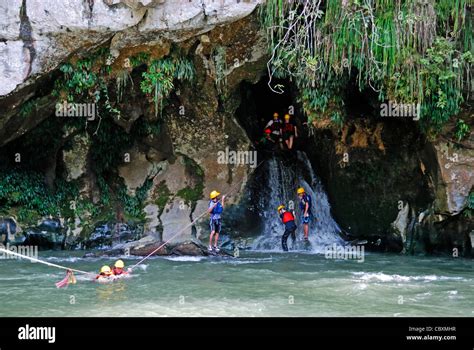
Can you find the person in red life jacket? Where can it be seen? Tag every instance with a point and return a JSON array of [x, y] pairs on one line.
[[119, 268], [275, 126], [289, 132], [266, 140], [105, 271], [288, 220], [305, 206]]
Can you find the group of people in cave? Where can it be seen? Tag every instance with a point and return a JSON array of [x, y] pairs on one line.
[[279, 133]]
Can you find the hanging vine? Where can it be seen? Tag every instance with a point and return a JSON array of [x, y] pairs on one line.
[[407, 51]]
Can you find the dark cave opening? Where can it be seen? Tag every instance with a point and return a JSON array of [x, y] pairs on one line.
[[259, 103], [257, 106]]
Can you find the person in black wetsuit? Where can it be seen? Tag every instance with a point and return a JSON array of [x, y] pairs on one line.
[[305, 206], [288, 220]]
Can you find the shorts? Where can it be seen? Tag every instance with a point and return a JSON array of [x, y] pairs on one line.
[[305, 220], [215, 225], [287, 135]]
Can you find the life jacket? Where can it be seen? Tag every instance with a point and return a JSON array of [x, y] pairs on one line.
[[103, 275], [287, 217], [305, 199], [288, 127], [118, 272], [217, 207]]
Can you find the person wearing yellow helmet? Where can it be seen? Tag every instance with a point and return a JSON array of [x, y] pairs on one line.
[[305, 207], [275, 127], [119, 268], [289, 132], [288, 219], [105, 271], [215, 208]]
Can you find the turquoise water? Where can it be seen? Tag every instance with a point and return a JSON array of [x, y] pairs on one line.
[[256, 284]]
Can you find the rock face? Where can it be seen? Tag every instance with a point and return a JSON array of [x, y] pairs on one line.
[[75, 159], [385, 181], [9, 231], [171, 170], [370, 179], [456, 178], [37, 36]]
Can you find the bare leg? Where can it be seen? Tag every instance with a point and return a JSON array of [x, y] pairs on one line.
[[306, 229], [290, 144], [210, 238], [216, 239]]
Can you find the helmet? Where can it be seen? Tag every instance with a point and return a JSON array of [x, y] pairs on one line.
[[267, 131], [300, 190], [275, 115], [214, 194], [105, 269], [287, 117], [280, 207], [119, 264]]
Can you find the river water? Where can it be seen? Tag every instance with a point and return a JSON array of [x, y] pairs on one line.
[[255, 284], [260, 282]]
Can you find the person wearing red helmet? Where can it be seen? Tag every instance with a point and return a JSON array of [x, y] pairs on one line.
[[275, 126]]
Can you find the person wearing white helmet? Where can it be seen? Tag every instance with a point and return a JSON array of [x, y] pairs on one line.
[[215, 209]]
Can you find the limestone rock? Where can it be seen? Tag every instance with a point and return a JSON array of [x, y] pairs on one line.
[[189, 249], [75, 159], [176, 221], [138, 170], [456, 168], [152, 221], [400, 224], [53, 30]]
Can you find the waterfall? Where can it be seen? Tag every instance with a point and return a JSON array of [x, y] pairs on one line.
[[284, 176]]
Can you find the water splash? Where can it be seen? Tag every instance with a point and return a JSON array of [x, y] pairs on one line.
[[284, 177]]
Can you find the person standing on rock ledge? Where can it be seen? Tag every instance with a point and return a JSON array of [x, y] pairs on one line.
[[216, 207], [305, 206]]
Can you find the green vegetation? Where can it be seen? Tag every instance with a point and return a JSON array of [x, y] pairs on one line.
[[86, 80], [407, 51], [469, 211], [158, 79], [28, 107], [162, 194], [192, 194], [133, 205], [219, 56], [462, 130], [28, 191], [82, 78]]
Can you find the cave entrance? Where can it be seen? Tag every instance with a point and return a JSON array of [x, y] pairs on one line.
[[259, 103]]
